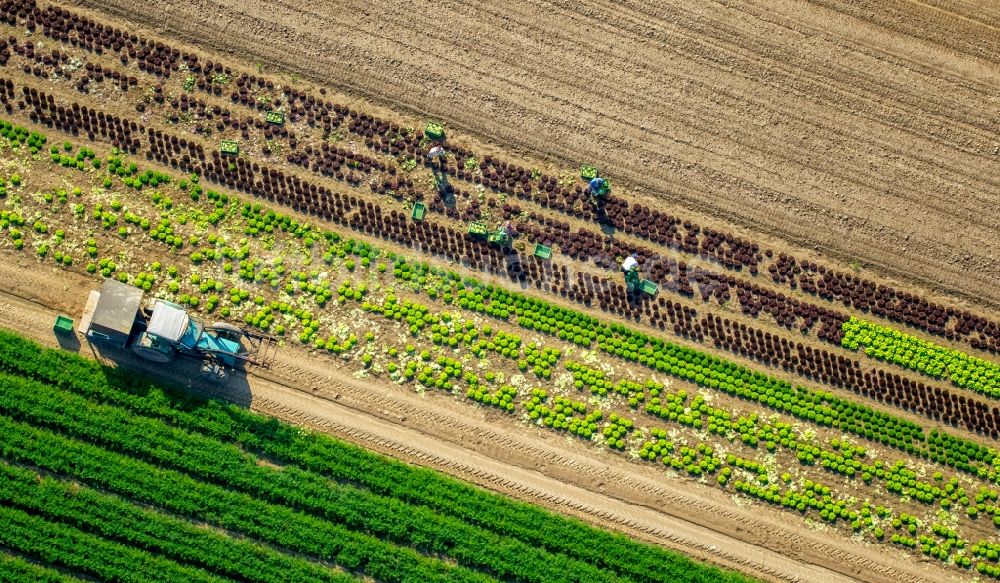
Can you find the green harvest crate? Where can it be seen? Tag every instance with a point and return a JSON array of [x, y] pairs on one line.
[[588, 172], [434, 131], [275, 117], [477, 229], [648, 287], [230, 147], [543, 252], [419, 210], [63, 325]]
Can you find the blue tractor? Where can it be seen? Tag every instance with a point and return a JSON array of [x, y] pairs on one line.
[[163, 330]]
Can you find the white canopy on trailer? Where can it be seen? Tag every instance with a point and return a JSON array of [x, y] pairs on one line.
[[169, 322], [629, 263]]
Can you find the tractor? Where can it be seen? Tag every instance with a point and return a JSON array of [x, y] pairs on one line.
[[162, 331]]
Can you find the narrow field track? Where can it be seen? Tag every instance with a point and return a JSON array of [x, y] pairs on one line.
[[851, 137]]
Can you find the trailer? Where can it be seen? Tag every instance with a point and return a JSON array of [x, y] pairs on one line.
[[112, 313], [502, 236], [542, 251], [478, 229], [648, 287]]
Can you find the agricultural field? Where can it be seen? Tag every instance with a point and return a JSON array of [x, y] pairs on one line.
[[774, 405], [106, 474]]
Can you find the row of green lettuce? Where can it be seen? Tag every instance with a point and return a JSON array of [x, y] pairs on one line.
[[812, 405], [933, 360]]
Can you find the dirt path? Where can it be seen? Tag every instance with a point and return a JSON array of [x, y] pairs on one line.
[[868, 140], [503, 455]]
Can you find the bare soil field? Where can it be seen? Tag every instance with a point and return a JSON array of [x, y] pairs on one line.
[[862, 130]]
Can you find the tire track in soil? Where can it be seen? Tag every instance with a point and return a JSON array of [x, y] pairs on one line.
[[707, 126], [403, 425], [521, 490], [928, 19]]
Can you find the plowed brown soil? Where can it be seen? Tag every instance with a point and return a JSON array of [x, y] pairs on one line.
[[865, 129]]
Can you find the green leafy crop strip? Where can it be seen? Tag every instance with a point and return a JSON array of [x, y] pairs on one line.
[[899, 479], [840, 458], [181, 494], [344, 462], [14, 569], [934, 360], [114, 518], [940, 447], [65, 546]]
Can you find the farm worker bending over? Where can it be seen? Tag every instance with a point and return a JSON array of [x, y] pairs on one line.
[[630, 263], [508, 228], [437, 152]]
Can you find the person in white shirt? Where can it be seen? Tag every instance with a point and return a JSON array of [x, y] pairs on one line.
[[630, 263], [437, 152]]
